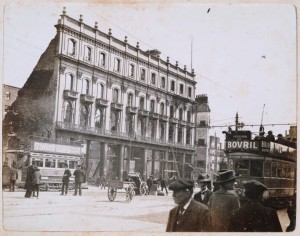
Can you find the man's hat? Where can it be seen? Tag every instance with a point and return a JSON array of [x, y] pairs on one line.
[[203, 179], [254, 186], [225, 176], [182, 184]]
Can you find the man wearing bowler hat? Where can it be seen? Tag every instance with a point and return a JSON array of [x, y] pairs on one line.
[[205, 193], [223, 201], [253, 216], [188, 215]]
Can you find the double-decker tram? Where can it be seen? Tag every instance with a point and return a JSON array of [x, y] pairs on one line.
[[52, 159], [271, 162]]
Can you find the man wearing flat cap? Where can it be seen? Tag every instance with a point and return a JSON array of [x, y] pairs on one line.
[[253, 216], [205, 193], [223, 201], [188, 215]]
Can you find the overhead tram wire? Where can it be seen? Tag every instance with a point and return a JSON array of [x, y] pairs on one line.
[[252, 125]]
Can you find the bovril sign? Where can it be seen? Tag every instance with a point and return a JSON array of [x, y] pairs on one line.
[[246, 145]]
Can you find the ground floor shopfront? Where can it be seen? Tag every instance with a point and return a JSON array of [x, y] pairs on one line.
[[113, 157]]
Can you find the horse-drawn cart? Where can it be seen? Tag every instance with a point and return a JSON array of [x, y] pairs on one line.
[[123, 187]]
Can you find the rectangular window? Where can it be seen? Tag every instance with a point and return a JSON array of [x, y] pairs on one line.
[[181, 89], [131, 70], [102, 59], [38, 162], [143, 74], [153, 78], [172, 86], [267, 169], [242, 167], [190, 92], [117, 65], [256, 168], [274, 169], [201, 142], [62, 164], [73, 164], [50, 163]]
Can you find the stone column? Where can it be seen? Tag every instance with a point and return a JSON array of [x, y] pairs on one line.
[[104, 149], [121, 167]]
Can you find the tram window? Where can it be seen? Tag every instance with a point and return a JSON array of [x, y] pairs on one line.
[[73, 164], [256, 168], [292, 172], [274, 169], [267, 168], [242, 167], [50, 163], [279, 170], [62, 164], [39, 163]]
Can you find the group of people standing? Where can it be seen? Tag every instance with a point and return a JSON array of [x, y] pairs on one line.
[[79, 175], [220, 211], [32, 182]]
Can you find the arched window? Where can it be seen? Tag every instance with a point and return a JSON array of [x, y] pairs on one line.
[[171, 133], [162, 131], [71, 47], [84, 115], [153, 78], [188, 116], [102, 59], [190, 92], [152, 106], [188, 136], [99, 118], [163, 82], [180, 114], [162, 108], [100, 90], [179, 138], [88, 53], [143, 74], [130, 100], [115, 97], [151, 129], [142, 103], [68, 112], [69, 82], [172, 111], [129, 124], [117, 65], [181, 89], [85, 86], [172, 85], [114, 117], [131, 70]]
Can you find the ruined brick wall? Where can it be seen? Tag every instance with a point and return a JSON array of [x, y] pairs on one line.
[[33, 111]]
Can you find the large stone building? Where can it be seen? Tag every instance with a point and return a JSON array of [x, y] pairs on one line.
[[132, 110]]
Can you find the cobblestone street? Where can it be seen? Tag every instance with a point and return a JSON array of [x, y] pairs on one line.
[[90, 212]]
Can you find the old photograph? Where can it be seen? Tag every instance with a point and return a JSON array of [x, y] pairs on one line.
[[149, 117]]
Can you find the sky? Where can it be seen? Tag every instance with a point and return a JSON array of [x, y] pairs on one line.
[[244, 55]]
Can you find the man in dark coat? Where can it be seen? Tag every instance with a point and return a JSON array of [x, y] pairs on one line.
[[163, 185], [65, 181], [253, 216], [149, 183], [205, 193], [223, 201], [79, 175], [28, 181], [188, 215], [13, 177]]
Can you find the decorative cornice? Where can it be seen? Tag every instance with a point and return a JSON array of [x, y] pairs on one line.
[[62, 69]]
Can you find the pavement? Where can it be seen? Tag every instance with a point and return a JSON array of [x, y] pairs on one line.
[[91, 212]]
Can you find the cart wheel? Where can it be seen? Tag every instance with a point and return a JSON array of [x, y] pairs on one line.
[[143, 189], [112, 193], [129, 195]]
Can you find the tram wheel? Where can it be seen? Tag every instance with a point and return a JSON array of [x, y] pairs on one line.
[[111, 193]]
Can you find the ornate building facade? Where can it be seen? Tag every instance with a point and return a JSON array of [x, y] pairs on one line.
[[132, 110]]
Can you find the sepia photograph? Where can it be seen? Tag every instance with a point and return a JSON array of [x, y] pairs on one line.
[[148, 117]]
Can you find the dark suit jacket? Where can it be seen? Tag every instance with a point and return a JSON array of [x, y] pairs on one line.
[[196, 218], [197, 197], [254, 218]]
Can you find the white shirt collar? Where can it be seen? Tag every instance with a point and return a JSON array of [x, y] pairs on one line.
[[187, 205]]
